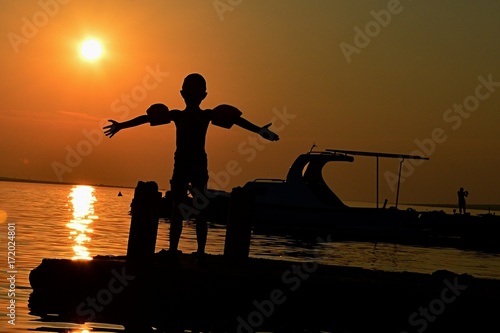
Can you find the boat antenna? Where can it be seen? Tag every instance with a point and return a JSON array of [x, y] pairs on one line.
[[312, 147]]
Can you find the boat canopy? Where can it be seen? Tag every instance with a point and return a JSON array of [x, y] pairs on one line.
[[307, 171], [377, 155], [308, 167]]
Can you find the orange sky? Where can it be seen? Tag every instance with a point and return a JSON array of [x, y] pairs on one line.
[[389, 76]]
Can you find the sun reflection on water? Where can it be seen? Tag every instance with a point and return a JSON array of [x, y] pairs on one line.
[[82, 198]]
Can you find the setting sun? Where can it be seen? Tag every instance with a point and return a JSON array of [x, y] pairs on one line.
[[91, 50]]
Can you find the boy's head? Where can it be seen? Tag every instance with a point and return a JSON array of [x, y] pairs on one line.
[[194, 89]]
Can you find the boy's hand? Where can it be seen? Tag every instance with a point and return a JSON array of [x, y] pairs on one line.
[[266, 133], [112, 129]]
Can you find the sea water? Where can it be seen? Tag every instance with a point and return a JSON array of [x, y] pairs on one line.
[[40, 221]]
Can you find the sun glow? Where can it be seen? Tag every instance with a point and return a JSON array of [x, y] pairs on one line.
[[91, 50]]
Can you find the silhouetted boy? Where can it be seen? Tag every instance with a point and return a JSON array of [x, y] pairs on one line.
[[190, 159]]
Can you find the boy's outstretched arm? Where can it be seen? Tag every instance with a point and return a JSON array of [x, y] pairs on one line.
[[115, 126], [156, 114], [263, 131], [226, 115]]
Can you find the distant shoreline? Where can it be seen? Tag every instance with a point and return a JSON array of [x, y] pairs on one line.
[[35, 181], [485, 207]]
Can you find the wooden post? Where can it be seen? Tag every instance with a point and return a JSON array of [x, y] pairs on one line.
[[239, 224], [143, 226]]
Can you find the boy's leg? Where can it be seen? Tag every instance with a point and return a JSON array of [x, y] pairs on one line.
[[179, 196], [201, 218]]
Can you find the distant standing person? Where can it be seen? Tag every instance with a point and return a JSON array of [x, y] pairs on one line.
[[190, 159], [461, 200]]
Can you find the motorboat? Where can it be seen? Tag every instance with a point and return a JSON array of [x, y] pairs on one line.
[[303, 204], [303, 201]]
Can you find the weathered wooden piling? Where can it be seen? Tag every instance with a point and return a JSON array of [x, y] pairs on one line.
[[145, 208], [239, 224]]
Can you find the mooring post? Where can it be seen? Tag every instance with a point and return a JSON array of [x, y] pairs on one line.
[[239, 224], [143, 226]]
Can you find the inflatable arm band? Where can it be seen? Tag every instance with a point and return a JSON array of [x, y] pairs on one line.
[[158, 114], [225, 115]]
